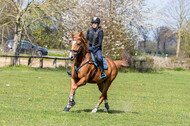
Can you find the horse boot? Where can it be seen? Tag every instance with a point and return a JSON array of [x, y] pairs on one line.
[[102, 74], [69, 73]]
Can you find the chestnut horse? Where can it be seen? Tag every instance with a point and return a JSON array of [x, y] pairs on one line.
[[84, 71]]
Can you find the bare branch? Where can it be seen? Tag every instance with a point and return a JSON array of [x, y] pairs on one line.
[[27, 7]]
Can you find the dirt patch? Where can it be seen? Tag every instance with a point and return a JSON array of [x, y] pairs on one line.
[[34, 62]]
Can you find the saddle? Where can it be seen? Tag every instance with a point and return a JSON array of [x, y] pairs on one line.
[[94, 59]]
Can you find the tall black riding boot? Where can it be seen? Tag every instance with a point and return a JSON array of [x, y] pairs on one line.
[[102, 75]]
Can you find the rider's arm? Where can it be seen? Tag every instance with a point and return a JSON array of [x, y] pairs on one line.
[[87, 35], [100, 39]]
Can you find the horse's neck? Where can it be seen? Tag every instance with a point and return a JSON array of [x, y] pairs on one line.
[[80, 59]]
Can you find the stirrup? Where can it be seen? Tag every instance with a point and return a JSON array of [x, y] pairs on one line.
[[69, 73], [102, 75]]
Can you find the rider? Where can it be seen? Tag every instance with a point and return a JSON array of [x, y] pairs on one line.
[[95, 37]]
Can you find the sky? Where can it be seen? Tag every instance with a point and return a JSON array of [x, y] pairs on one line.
[[157, 6]]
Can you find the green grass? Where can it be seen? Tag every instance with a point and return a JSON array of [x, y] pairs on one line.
[[31, 96], [57, 54], [63, 54], [56, 49]]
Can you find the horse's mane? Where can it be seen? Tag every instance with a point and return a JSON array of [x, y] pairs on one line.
[[85, 42]]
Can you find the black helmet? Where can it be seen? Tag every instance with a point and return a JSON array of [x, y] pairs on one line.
[[95, 20]]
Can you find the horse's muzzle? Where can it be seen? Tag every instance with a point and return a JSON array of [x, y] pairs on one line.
[[72, 58]]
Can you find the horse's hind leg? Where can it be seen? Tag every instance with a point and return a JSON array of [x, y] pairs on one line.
[[104, 90], [100, 86], [106, 105]]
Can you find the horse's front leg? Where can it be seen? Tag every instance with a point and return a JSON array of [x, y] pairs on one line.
[[74, 86]]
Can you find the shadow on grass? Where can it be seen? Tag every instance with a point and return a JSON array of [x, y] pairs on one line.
[[101, 111]]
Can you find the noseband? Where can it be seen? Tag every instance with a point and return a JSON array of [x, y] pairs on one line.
[[78, 51]]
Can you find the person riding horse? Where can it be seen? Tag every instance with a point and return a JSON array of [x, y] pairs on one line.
[[95, 38]]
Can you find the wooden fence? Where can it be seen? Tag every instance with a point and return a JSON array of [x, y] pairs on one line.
[[41, 59], [136, 60]]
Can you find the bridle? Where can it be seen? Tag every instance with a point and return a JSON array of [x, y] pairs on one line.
[[79, 50]]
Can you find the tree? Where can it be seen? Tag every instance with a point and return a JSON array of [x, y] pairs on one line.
[[156, 38], [119, 19], [6, 27], [21, 17], [175, 15], [144, 32], [164, 37], [186, 40]]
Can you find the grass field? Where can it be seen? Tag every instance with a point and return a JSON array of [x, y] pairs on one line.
[[30, 96]]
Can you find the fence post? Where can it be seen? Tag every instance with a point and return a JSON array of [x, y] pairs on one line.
[[54, 63], [66, 64], [41, 63], [12, 61], [29, 61]]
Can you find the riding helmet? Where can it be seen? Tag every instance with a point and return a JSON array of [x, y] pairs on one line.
[[95, 20]]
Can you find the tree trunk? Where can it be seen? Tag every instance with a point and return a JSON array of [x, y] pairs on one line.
[[164, 49], [17, 40], [178, 43], [144, 46], [2, 36], [157, 47]]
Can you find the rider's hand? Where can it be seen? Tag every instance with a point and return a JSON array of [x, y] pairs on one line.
[[90, 48]]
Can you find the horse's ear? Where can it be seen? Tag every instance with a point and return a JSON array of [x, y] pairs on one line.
[[81, 34], [72, 34]]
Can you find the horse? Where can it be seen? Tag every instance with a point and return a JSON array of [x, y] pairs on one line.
[[84, 71]]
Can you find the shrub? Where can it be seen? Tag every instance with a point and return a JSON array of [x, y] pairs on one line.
[[179, 69]]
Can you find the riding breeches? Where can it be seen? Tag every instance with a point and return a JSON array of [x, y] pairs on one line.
[[99, 55]]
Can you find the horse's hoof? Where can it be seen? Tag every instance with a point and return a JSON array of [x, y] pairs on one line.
[[66, 109], [105, 110], [94, 110]]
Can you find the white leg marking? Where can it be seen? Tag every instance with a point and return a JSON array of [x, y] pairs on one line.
[[95, 109], [106, 101]]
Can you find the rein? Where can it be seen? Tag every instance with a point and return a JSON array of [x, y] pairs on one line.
[[78, 68]]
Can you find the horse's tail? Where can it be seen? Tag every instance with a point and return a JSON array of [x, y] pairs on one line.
[[125, 62]]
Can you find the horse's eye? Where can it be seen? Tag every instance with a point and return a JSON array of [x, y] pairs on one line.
[[78, 44]]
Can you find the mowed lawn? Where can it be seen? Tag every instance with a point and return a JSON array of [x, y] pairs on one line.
[[36, 97]]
